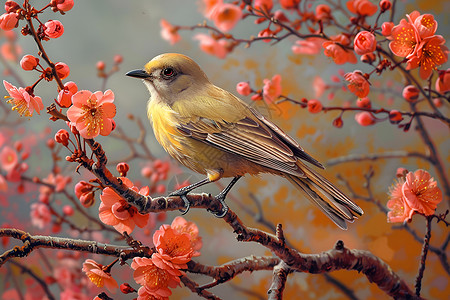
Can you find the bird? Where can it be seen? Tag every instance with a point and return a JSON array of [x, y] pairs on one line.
[[213, 132]]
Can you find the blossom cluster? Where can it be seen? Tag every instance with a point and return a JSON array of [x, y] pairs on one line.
[[414, 192], [415, 40], [175, 246]]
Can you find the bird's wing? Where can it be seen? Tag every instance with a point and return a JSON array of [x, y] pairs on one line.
[[290, 142], [249, 138]]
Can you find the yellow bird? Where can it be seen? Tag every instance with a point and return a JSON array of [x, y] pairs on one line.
[[214, 133]]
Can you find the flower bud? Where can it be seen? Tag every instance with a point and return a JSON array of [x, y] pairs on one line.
[[385, 5], [62, 137], [314, 106], [365, 118], [123, 168], [243, 88], [410, 93], [54, 29], [9, 21], [11, 6], [62, 70], [386, 28], [364, 42], [395, 116]]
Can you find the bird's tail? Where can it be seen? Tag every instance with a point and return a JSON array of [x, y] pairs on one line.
[[335, 204]]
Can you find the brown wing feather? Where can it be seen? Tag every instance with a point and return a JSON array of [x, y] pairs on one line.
[[247, 138]]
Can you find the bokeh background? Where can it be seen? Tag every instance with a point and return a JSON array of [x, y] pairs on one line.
[[98, 30]]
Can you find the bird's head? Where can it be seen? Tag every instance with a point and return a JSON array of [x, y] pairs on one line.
[[170, 75]]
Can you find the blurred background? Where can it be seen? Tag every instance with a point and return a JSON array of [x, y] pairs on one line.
[[98, 30]]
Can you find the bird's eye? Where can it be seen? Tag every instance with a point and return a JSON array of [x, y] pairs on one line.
[[168, 73]]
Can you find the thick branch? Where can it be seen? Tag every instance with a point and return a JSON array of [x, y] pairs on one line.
[[32, 242], [279, 278], [338, 258]]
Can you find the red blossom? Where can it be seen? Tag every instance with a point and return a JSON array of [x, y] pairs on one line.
[[310, 46], [92, 113], [29, 62], [430, 53], [362, 7], [386, 28], [421, 192], [212, 46], [399, 209], [410, 93], [9, 21], [337, 52], [364, 42], [443, 81], [22, 101], [181, 226], [156, 281], [96, 274], [168, 32], [243, 88], [314, 106], [225, 16], [365, 118], [64, 5], [115, 211], [272, 88], [62, 70], [173, 248], [54, 29], [358, 83]]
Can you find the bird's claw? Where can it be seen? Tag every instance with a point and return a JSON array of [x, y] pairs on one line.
[[182, 195], [224, 211]]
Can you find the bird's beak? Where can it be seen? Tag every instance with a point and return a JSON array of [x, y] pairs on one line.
[[138, 74]]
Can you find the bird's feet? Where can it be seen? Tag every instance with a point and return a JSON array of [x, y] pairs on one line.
[[221, 198], [182, 194]]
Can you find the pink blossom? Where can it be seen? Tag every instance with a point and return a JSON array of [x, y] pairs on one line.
[[29, 62], [169, 32], [386, 28], [54, 29], [9, 21], [181, 226], [365, 118], [3, 184], [364, 42], [410, 93], [225, 16], [62, 70], [212, 46], [314, 106], [173, 248], [155, 280], [98, 276], [323, 12], [425, 24], [362, 7], [8, 158], [115, 211], [421, 192], [146, 294], [357, 83], [92, 113], [399, 209], [65, 95], [263, 5], [443, 81], [272, 88], [338, 53], [243, 88], [289, 4], [64, 5], [430, 52], [310, 46], [40, 215], [404, 38], [24, 103], [319, 86]]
